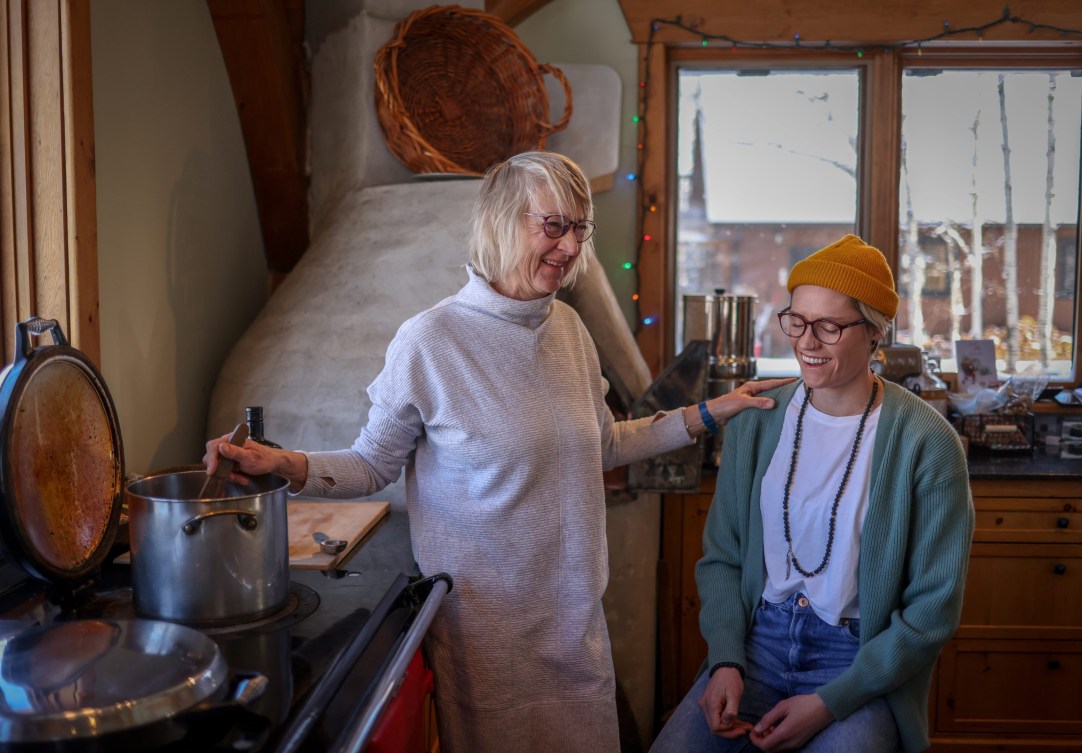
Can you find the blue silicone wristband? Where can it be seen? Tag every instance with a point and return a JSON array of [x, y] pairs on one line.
[[708, 420]]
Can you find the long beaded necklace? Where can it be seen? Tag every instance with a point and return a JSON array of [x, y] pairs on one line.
[[790, 556]]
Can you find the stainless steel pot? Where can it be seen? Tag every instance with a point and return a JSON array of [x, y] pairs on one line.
[[208, 561]]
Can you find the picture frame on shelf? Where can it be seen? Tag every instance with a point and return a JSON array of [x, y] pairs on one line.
[[976, 361]]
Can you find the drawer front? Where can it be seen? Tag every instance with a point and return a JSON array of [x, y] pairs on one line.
[[1010, 687], [1023, 585], [1051, 520]]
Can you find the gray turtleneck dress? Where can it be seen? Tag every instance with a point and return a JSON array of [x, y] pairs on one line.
[[496, 408]]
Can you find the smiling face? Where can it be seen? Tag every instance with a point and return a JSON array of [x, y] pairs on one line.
[[544, 262], [837, 373]]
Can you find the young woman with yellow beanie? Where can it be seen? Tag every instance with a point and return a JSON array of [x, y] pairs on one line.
[[836, 547]]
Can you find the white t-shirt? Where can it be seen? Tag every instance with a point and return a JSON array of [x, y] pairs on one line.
[[825, 445]]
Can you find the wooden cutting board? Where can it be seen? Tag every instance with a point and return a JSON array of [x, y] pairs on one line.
[[339, 520]]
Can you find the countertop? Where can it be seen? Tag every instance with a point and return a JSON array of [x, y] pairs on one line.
[[1040, 466]]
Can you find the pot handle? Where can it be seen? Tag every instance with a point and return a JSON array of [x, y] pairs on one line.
[[35, 325], [245, 519]]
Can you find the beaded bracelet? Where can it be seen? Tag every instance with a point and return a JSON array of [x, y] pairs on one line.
[[708, 420], [731, 664]]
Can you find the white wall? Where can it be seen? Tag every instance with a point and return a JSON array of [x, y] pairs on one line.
[[181, 264], [594, 31]]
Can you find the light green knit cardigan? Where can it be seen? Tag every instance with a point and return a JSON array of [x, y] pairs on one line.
[[914, 550]]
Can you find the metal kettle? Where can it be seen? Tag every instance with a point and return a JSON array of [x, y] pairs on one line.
[[727, 322]]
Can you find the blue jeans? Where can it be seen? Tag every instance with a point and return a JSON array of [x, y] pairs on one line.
[[789, 651]]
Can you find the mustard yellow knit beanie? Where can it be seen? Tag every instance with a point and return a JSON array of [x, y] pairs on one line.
[[852, 267]]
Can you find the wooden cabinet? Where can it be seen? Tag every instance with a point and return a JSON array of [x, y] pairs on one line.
[[1010, 679], [682, 650]]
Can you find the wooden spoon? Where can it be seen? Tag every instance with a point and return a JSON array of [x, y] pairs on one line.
[[214, 486]]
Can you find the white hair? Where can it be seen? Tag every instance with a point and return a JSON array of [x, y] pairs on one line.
[[497, 242]]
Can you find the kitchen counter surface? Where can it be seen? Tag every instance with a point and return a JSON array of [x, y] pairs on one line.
[[1039, 466]]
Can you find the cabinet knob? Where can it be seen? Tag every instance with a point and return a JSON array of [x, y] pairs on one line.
[[1062, 523], [1060, 568], [1053, 663]]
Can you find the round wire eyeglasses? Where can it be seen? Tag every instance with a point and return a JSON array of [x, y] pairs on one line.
[[556, 225], [826, 331]]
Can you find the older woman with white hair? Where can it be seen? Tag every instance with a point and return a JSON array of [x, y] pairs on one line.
[[835, 551], [494, 403]]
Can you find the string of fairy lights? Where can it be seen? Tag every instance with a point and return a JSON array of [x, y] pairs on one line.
[[648, 203]]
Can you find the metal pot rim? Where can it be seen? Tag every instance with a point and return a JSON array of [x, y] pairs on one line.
[[143, 488]]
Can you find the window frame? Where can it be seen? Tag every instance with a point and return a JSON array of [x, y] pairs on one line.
[[880, 145]]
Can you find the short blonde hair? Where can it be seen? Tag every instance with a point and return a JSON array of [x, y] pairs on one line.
[[498, 241], [876, 320]]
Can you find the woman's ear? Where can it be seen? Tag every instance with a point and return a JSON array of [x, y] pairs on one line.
[[875, 344]]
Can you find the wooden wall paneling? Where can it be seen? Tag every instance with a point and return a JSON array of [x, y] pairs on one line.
[[7, 226], [693, 649], [655, 293], [46, 134], [47, 205], [670, 571], [262, 45], [80, 178], [16, 229]]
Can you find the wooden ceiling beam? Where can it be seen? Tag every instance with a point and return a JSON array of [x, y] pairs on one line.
[[842, 21], [511, 12], [262, 43]]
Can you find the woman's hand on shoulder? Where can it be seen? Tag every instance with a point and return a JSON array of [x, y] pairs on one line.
[[725, 407]]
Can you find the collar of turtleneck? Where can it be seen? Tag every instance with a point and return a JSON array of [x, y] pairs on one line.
[[479, 294]]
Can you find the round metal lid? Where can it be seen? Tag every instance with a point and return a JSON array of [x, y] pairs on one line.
[[87, 678], [62, 462]]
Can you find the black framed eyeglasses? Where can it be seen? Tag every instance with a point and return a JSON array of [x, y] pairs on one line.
[[556, 225], [826, 331]]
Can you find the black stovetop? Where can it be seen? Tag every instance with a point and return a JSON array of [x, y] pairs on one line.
[[298, 648]]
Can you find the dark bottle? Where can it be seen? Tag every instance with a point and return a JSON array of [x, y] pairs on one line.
[[254, 416]]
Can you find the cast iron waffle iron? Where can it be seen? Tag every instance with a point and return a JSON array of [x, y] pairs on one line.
[[61, 461]]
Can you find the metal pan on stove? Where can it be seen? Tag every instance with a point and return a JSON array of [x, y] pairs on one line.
[[107, 684]]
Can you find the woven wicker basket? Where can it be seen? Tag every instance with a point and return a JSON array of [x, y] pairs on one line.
[[456, 92]]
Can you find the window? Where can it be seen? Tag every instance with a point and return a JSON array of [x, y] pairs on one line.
[[761, 187], [988, 212], [781, 152]]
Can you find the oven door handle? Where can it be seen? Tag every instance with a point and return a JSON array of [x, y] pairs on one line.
[[355, 737]]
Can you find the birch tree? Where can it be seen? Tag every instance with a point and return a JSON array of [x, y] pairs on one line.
[[913, 260], [976, 247], [957, 250], [1048, 243], [1010, 241]]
